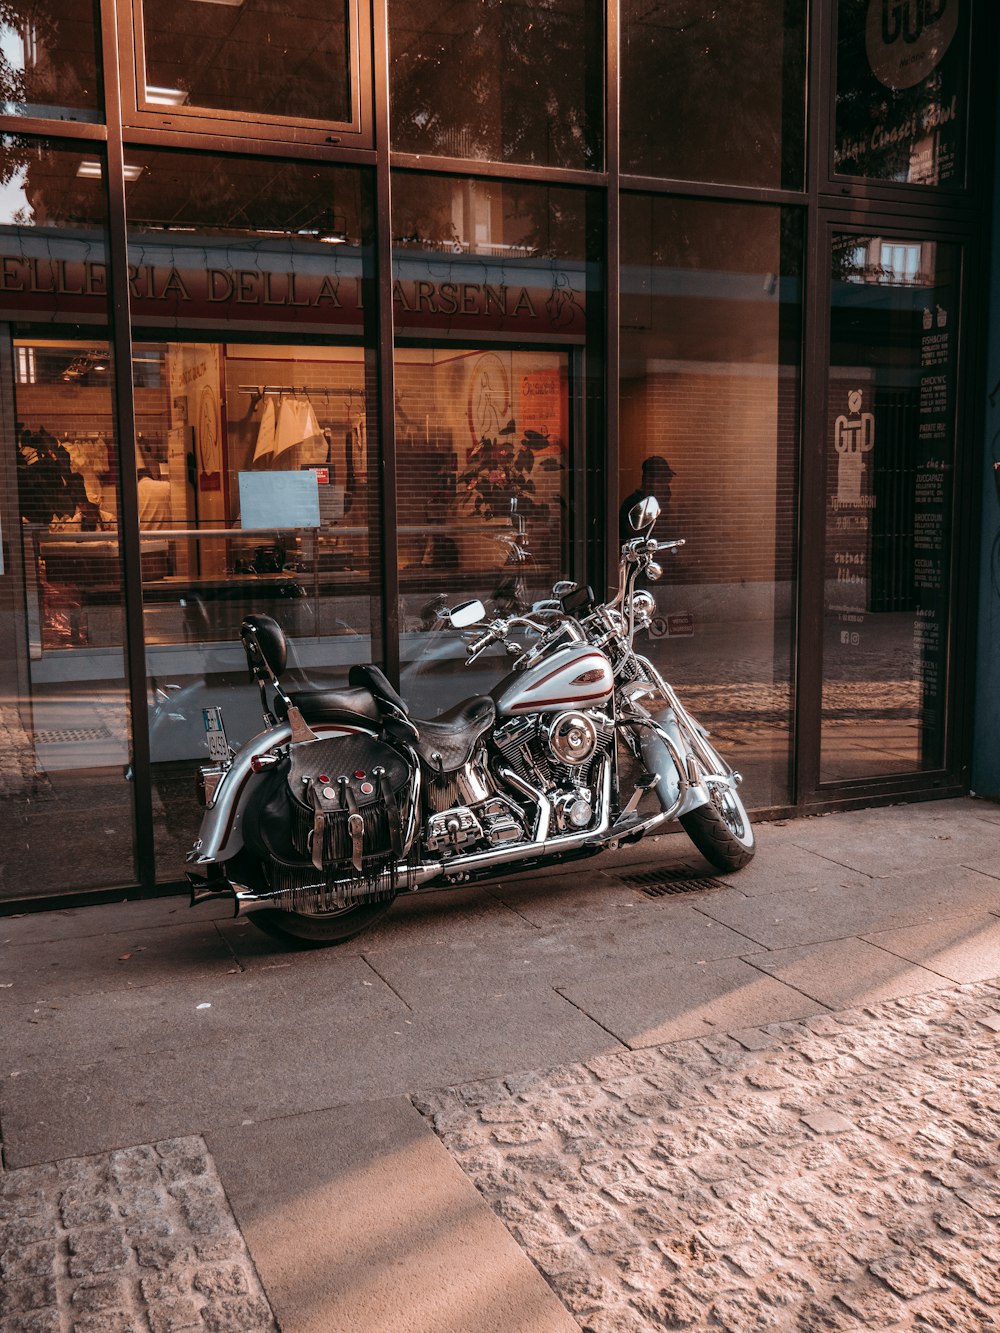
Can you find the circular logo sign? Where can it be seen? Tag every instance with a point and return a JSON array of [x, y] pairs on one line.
[[906, 39]]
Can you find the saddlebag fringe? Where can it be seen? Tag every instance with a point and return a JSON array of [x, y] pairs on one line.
[[329, 824]]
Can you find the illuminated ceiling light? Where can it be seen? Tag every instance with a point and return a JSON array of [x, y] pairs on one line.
[[333, 230], [156, 96], [92, 170]]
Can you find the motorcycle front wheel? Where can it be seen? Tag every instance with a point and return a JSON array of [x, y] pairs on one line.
[[307, 931], [721, 829]]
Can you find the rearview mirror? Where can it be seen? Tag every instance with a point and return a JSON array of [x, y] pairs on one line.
[[645, 513], [466, 613]]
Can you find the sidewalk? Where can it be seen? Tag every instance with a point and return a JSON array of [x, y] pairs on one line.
[[545, 1104]]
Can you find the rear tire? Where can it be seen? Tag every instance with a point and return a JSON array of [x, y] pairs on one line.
[[721, 829], [315, 932]]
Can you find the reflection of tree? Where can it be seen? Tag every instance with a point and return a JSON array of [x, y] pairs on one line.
[[440, 213], [714, 91], [61, 68], [497, 79], [260, 56], [218, 195]]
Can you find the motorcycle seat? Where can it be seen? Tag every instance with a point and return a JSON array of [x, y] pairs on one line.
[[350, 706], [447, 741]]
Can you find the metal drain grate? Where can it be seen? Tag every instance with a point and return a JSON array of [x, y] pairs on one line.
[[656, 883], [70, 735]]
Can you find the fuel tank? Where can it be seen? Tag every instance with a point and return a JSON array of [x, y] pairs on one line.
[[569, 677]]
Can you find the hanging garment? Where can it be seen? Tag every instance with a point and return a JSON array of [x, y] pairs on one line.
[[296, 425], [357, 444], [264, 450]]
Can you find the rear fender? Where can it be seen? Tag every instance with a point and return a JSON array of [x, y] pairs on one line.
[[220, 836]]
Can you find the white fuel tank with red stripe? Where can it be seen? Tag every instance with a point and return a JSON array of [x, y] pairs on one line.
[[575, 676]]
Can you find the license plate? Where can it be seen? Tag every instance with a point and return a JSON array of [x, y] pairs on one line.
[[215, 734]]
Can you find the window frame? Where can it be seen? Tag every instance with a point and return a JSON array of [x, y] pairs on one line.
[[139, 114]]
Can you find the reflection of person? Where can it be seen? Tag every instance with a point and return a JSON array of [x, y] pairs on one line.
[[656, 475]]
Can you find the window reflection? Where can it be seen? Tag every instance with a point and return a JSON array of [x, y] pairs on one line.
[[732, 107], [498, 80], [248, 57], [48, 60], [492, 289], [257, 456], [709, 401], [892, 394]]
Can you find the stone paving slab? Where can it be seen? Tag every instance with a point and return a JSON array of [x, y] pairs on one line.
[[360, 1222], [837, 1173], [888, 845], [844, 973], [964, 949], [649, 1007], [285, 1067], [856, 906], [641, 936], [47, 1030], [139, 1239], [133, 958]]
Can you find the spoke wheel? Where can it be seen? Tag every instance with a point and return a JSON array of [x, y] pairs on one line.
[[721, 829]]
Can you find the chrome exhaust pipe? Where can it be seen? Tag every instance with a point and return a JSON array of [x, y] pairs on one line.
[[461, 867]]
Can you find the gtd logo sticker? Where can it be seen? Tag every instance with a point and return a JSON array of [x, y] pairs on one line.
[[906, 39]]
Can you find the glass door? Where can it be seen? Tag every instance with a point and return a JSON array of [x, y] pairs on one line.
[[66, 806], [890, 461]]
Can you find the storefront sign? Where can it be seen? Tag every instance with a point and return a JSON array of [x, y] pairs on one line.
[[57, 276], [901, 98]]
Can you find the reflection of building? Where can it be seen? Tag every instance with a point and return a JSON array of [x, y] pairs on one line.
[[338, 349]]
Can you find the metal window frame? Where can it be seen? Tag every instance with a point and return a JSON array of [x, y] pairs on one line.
[[137, 113]]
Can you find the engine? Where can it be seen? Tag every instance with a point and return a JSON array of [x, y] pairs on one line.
[[559, 752], [556, 753]]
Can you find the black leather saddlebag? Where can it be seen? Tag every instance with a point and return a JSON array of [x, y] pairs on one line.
[[334, 810]]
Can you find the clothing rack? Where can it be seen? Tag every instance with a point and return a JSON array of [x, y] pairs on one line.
[[301, 390]]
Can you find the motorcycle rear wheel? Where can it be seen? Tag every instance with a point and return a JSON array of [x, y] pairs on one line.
[[315, 932], [721, 829]]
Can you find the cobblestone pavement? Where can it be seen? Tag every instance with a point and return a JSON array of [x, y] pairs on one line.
[[838, 1173], [141, 1240]]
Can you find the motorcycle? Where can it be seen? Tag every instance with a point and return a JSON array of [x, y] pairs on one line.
[[345, 800]]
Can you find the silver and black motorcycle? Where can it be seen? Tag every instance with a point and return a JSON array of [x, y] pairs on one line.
[[345, 800]]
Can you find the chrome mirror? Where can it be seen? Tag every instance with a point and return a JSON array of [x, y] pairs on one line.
[[466, 613], [645, 513]]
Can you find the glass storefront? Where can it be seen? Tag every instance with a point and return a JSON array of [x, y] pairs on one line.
[[732, 106], [895, 327], [492, 364], [67, 805], [49, 65], [711, 346], [257, 451], [347, 316]]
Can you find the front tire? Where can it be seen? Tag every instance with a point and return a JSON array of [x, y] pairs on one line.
[[721, 829], [316, 932]]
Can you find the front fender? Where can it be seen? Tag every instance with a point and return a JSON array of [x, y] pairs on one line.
[[658, 759]]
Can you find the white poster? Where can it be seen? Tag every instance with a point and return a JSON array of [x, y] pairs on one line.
[[282, 500]]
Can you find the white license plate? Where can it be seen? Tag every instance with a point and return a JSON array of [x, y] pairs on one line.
[[215, 734]]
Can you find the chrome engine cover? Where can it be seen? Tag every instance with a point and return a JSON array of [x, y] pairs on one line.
[[572, 738], [452, 829]]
